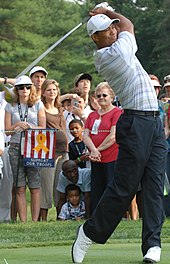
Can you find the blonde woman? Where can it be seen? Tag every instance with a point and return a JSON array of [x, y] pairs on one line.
[[24, 113], [55, 120]]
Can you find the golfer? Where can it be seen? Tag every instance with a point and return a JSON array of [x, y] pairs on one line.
[[140, 136]]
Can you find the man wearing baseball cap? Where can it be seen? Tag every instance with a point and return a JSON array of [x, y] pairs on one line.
[[37, 74], [82, 85], [142, 145]]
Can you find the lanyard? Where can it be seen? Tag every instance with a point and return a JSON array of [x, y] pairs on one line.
[[23, 118], [78, 150], [69, 115]]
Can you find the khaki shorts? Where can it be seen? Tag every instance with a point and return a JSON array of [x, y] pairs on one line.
[[22, 175], [47, 181]]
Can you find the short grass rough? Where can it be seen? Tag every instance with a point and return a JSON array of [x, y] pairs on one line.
[[50, 242]]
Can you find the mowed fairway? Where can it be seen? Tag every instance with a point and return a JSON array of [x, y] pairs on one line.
[[97, 254]]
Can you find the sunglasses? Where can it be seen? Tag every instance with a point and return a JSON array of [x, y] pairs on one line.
[[22, 86], [101, 95]]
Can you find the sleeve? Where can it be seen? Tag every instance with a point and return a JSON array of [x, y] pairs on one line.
[[71, 153], [39, 105], [86, 125], [2, 140], [87, 179], [62, 183], [63, 213], [8, 108], [116, 114], [125, 46], [90, 119]]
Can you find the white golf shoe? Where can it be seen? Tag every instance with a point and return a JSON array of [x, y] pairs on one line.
[[80, 246], [153, 255]]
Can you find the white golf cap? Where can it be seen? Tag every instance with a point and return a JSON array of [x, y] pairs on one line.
[[99, 22], [167, 84], [167, 77], [155, 83], [37, 69], [23, 80]]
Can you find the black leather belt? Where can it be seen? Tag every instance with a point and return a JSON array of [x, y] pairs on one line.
[[141, 113]]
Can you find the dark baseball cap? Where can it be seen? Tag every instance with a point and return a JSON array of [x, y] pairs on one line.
[[82, 76]]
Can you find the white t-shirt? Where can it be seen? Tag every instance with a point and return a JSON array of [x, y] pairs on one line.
[[32, 117], [84, 181]]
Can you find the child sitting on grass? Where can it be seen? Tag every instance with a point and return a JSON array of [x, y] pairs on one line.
[[77, 149], [74, 208]]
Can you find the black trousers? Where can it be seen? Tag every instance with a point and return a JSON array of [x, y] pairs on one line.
[[101, 175], [141, 158]]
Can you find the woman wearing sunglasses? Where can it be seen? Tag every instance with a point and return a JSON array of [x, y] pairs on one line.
[[24, 113], [99, 137]]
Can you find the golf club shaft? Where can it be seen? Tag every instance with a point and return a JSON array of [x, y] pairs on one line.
[[51, 48]]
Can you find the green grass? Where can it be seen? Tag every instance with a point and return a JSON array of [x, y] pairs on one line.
[[105, 254], [50, 242], [63, 233]]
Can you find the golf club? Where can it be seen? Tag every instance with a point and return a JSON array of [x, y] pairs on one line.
[[51, 48], [8, 88]]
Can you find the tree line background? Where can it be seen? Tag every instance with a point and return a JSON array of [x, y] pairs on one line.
[[29, 27]]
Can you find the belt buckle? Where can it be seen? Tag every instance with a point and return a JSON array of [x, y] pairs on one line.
[[154, 113]]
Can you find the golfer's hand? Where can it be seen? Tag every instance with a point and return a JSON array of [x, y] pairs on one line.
[[99, 10]]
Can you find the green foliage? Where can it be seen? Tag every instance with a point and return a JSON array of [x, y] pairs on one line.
[[30, 27]]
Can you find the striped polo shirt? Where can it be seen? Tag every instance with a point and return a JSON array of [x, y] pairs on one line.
[[119, 66]]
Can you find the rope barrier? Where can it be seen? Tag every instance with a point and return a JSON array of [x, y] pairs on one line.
[[43, 129]]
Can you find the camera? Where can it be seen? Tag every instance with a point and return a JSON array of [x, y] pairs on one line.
[[75, 103]]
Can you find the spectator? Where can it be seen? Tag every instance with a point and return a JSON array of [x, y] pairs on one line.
[[25, 113], [74, 110], [55, 120], [82, 84], [167, 111], [1, 152], [81, 177], [99, 137], [74, 208], [77, 149], [7, 180], [163, 115], [37, 74]]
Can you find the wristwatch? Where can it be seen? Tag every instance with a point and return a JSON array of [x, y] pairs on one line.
[[5, 80]]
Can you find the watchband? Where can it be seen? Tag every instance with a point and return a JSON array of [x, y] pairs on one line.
[[5, 80]]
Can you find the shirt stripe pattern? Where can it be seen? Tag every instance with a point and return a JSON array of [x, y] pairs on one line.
[[119, 66]]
